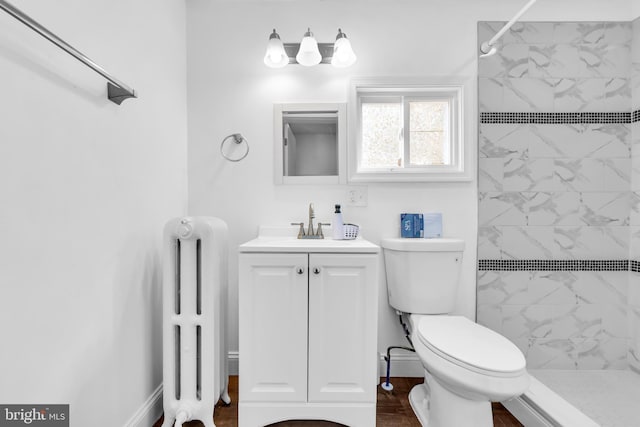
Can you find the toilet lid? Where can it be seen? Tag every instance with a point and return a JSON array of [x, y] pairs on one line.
[[466, 343]]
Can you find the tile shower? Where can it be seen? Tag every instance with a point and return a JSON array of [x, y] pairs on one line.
[[559, 192]]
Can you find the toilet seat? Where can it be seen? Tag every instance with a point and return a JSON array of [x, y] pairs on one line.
[[470, 346]]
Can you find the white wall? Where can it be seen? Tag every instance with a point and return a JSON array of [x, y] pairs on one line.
[[230, 90], [86, 187]]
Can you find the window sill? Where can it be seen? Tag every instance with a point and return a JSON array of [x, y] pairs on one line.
[[410, 176]]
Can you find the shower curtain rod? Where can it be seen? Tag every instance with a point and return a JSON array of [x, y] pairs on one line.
[[488, 48], [116, 90]]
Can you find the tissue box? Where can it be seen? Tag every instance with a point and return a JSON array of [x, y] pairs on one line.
[[432, 225], [411, 225]]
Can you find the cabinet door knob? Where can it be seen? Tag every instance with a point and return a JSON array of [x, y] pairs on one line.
[[316, 270], [300, 270]]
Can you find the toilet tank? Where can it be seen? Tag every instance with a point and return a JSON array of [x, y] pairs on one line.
[[422, 274]]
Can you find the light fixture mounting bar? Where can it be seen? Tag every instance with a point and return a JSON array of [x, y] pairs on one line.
[[326, 50]]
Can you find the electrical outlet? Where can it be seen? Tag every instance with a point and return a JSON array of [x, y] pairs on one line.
[[357, 196]]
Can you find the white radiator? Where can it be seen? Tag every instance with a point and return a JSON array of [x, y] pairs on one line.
[[195, 372]]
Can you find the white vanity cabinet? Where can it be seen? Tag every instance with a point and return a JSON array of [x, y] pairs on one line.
[[308, 334]]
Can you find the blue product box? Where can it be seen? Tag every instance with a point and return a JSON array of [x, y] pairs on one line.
[[411, 225], [433, 225]]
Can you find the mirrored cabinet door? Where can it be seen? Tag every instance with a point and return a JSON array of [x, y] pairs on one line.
[[310, 143]]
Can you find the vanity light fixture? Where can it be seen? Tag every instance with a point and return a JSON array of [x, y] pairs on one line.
[[309, 52]]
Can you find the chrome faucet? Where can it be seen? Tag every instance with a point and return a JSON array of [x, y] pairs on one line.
[[312, 214], [310, 233]]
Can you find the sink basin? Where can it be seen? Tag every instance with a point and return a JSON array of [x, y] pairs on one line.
[[284, 239]]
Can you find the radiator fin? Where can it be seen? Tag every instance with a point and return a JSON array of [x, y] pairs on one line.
[[177, 278], [198, 362], [199, 277], [176, 348]]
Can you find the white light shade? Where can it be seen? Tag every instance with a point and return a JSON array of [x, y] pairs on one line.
[[308, 54], [343, 55], [275, 56]]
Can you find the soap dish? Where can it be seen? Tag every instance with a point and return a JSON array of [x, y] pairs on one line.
[[350, 231]]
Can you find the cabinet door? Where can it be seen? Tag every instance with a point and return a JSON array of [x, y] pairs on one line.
[[343, 328], [273, 295]]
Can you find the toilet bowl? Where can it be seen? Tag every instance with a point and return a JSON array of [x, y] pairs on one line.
[[467, 366], [469, 359]]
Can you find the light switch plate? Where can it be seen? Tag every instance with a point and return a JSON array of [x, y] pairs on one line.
[[356, 196]]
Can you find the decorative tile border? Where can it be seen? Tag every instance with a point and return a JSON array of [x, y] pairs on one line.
[[634, 266], [558, 118], [556, 265], [635, 116]]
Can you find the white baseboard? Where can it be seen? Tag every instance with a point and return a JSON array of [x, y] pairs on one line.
[[151, 409], [403, 364], [233, 358], [149, 412]]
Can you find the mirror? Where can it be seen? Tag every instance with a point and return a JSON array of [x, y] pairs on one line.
[[310, 143]]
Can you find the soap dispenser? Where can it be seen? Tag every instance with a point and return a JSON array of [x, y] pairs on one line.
[[337, 225]]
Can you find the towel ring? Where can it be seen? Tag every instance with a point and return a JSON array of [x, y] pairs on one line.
[[238, 139]]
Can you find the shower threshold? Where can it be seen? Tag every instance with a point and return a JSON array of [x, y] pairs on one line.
[[588, 398]]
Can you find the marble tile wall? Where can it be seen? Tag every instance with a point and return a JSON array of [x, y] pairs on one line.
[[559, 190], [634, 277]]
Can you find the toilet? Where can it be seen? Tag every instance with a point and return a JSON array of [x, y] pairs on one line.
[[467, 366]]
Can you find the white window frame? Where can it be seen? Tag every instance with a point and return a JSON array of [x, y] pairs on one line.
[[457, 90]]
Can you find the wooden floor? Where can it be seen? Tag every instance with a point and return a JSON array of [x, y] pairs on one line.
[[393, 410]]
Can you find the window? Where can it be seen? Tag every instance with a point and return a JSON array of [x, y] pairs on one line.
[[407, 133]]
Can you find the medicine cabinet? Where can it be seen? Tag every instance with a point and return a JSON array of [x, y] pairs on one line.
[[310, 143]]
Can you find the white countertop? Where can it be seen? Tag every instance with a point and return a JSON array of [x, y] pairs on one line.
[[284, 239]]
